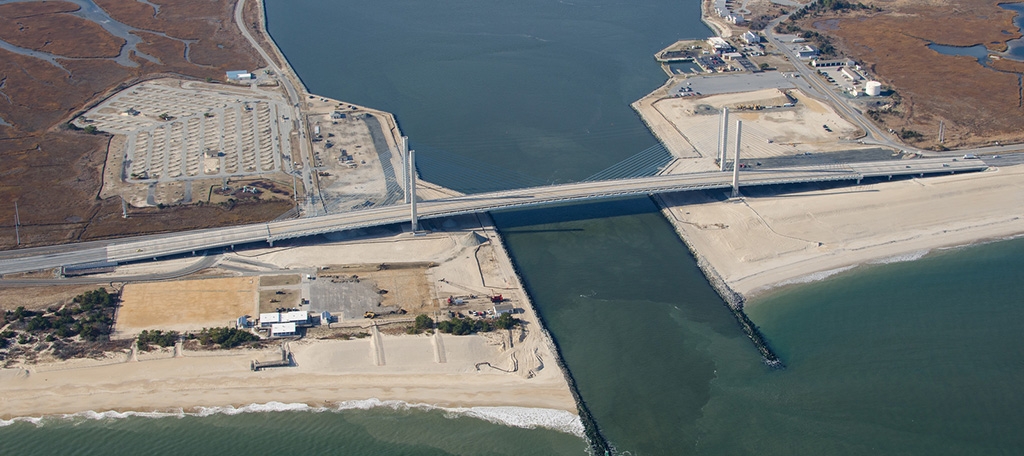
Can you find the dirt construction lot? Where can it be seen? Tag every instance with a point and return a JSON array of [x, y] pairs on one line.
[[767, 133], [185, 305]]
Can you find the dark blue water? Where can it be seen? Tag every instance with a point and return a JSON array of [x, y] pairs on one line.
[[911, 358]]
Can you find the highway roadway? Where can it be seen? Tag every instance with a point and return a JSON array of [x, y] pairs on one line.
[[157, 246], [295, 98], [873, 134]]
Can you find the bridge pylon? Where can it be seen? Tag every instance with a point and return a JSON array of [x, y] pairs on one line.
[[736, 161]]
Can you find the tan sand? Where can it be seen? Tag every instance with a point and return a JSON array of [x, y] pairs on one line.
[[516, 368], [688, 130], [759, 243], [326, 372]]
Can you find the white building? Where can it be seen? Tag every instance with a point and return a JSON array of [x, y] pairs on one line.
[[268, 319], [818, 63], [850, 74], [750, 37], [718, 42], [806, 52], [297, 317], [503, 308], [283, 330]]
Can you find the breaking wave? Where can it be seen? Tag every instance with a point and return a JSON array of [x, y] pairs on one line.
[[822, 275], [911, 256], [521, 417]]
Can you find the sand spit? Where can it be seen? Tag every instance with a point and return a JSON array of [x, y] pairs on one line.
[[756, 243]]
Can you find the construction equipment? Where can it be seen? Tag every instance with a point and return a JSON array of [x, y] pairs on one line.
[[369, 315]]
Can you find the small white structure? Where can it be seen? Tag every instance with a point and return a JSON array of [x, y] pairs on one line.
[[850, 74], [326, 318], [243, 322], [731, 55], [807, 51], [735, 19], [337, 115], [873, 88], [239, 75], [750, 37], [503, 308], [283, 330], [719, 43]]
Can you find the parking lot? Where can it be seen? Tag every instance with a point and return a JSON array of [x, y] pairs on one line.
[[189, 130], [741, 82]]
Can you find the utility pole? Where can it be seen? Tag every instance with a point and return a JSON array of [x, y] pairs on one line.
[[723, 138], [942, 131], [412, 190], [736, 162], [124, 208], [17, 224]]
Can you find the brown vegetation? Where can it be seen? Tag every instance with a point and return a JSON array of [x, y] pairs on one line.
[[49, 28], [978, 105], [55, 174]]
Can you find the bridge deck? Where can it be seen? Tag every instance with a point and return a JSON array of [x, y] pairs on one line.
[[175, 243]]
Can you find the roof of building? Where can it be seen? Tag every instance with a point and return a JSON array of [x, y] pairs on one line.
[[270, 318], [282, 329], [503, 307], [298, 315]]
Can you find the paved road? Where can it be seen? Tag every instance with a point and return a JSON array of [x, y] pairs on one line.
[[129, 249], [206, 262], [295, 98], [873, 134]]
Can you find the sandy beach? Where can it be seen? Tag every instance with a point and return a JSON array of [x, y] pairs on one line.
[[326, 373], [757, 243], [514, 368]]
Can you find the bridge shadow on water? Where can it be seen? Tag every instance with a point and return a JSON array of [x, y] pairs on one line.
[[571, 212]]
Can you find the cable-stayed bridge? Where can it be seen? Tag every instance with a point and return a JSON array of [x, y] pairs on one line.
[[155, 246]]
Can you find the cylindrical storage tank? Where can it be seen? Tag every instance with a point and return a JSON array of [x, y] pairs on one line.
[[873, 88]]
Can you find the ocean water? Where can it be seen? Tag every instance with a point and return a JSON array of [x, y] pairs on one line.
[[368, 428], [918, 357]]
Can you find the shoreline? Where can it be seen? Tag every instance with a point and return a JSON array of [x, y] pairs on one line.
[[511, 416], [759, 244], [330, 371], [434, 370]]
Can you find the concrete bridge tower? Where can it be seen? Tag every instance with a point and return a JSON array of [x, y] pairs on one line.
[[723, 138], [736, 161]]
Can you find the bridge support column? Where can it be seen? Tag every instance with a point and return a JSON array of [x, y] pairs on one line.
[[736, 161], [723, 138], [405, 167], [412, 190]]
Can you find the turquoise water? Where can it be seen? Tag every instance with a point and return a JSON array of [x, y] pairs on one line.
[[910, 358]]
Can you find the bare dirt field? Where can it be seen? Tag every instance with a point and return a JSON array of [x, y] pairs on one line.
[[184, 305], [776, 132], [279, 280], [979, 105], [399, 286], [35, 153]]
